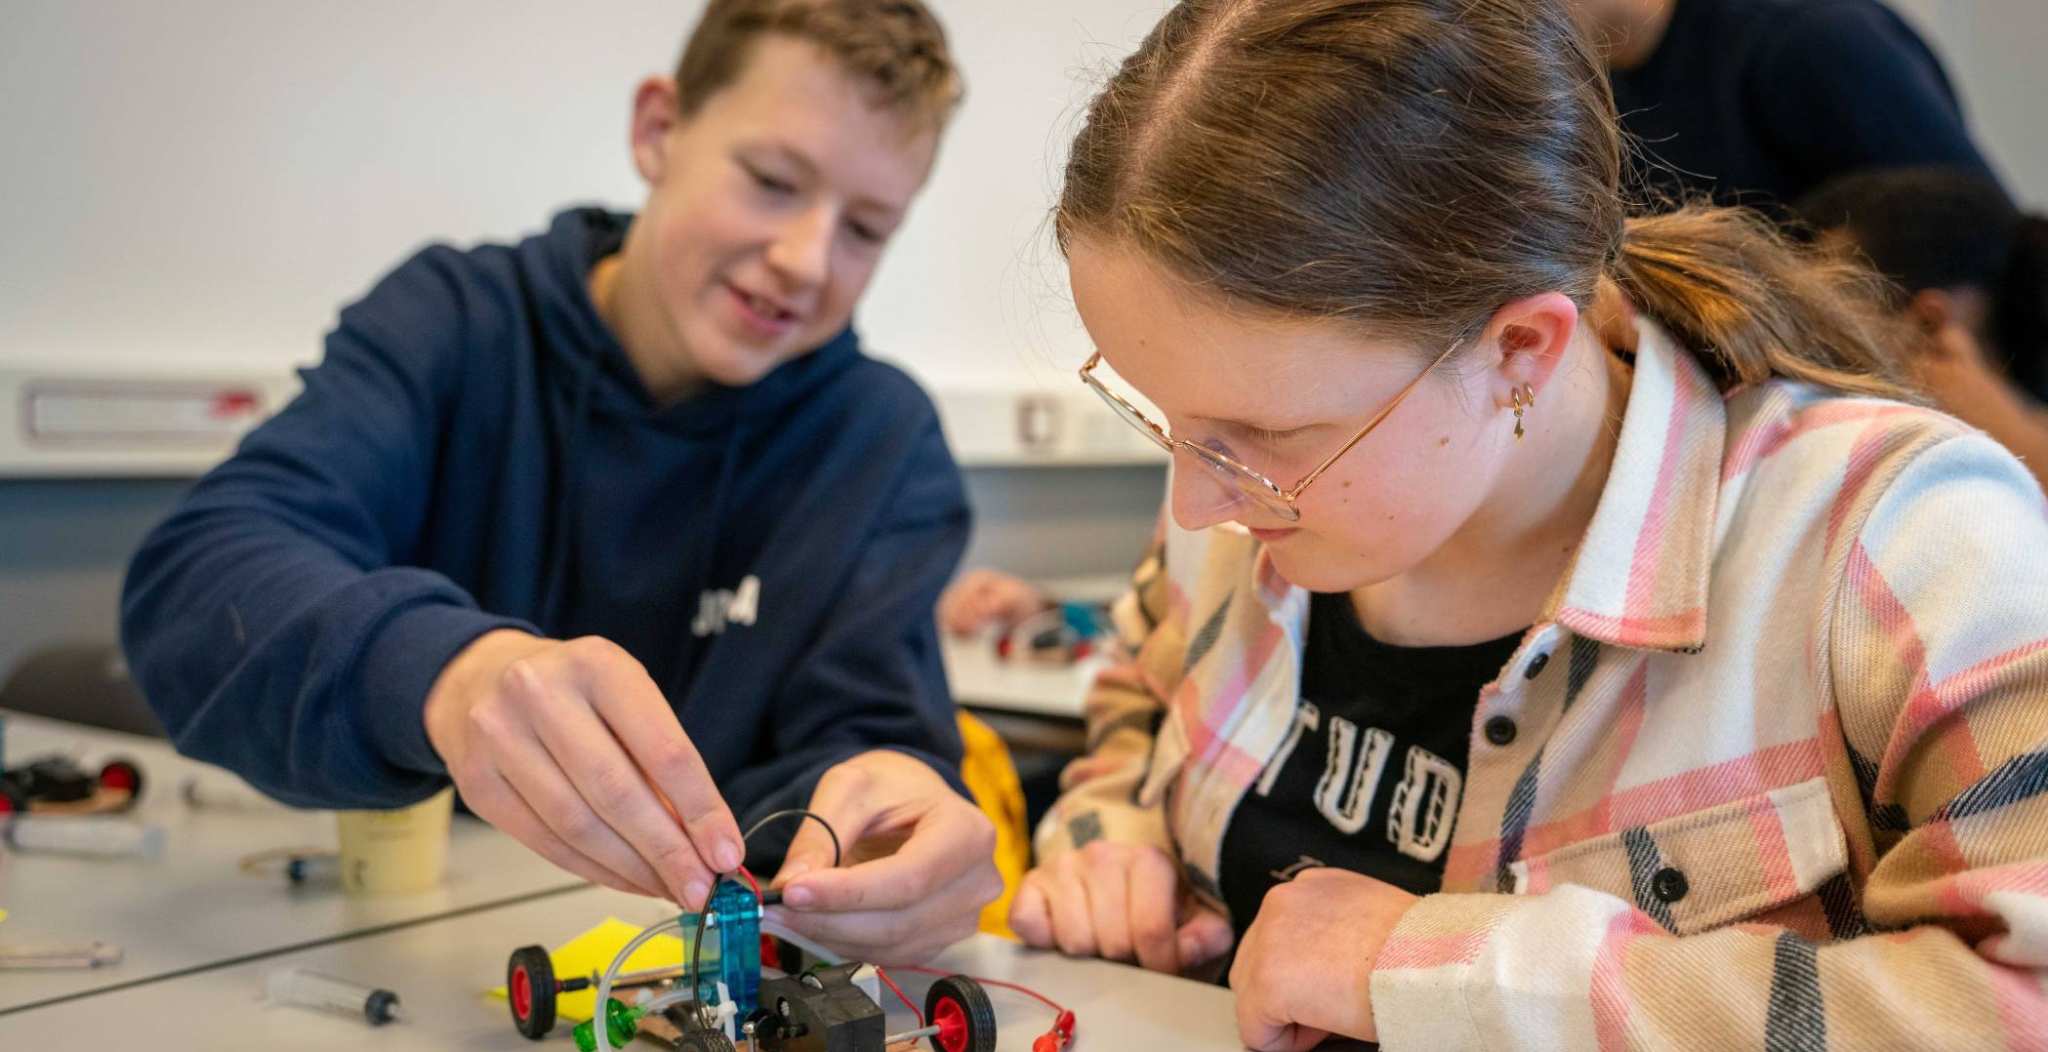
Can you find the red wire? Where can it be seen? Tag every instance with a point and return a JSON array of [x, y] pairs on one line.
[[919, 1016], [1025, 990], [884, 976]]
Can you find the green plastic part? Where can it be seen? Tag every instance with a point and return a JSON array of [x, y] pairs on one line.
[[621, 1024]]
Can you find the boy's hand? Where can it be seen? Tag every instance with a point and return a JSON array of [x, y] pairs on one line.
[[572, 749], [1118, 901], [919, 862], [1305, 969]]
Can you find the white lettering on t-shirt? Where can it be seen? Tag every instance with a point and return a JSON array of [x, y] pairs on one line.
[[1419, 816], [1351, 775], [720, 607]]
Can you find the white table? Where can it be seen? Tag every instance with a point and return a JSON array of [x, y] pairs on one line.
[[981, 680], [440, 970], [193, 907]]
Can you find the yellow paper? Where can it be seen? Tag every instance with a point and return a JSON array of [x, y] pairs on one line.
[[593, 951]]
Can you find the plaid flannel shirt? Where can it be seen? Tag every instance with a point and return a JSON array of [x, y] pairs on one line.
[[1778, 775]]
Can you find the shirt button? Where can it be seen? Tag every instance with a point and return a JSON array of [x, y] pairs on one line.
[[1500, 730], [1536, 664], [1669, 885]]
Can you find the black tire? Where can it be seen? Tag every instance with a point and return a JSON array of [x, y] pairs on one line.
[[533, 970], [965, 996], [705, 1041]]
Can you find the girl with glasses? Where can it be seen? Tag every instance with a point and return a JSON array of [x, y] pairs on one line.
[[1566, 631]]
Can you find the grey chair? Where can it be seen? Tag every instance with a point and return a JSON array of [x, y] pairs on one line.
[[82, 682]]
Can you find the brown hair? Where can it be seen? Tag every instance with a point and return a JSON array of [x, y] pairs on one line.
[[1416, 164], [897, 46]]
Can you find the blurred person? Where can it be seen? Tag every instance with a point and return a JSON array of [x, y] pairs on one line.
[[985, 599], [1757, 102], [1970, 273]]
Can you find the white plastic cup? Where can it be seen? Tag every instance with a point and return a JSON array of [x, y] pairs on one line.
[[396, 852]]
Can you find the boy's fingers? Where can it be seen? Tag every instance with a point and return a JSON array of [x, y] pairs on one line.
[[498, 803], [838, 802], [615, 788], [532, 773], [640, 718], [939, 849]]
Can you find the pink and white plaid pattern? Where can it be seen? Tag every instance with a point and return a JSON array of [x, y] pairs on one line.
[[1781, 771]]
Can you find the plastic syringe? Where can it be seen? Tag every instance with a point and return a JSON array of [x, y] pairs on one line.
[[68, 955], [297, 986], [91, 836], [223, 794]]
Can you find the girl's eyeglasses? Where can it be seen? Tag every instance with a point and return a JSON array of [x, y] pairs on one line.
[[1240, 478]]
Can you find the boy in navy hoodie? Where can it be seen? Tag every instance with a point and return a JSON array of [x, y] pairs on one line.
[[617, 528]]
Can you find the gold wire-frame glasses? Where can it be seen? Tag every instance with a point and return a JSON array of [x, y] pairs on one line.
[[1242, 479]]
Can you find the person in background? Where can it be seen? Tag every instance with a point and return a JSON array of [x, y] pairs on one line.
[[1566, 635], [1970, 275], [985, 599], [617, 528], [1757, 102]]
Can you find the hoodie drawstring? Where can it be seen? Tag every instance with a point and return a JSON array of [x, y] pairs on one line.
[[560, 553], [721, 497]]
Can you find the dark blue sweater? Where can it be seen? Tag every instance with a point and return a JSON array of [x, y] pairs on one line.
[[475, 451], [1758, 102]]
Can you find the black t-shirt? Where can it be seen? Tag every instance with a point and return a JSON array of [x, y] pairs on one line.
[[1370, 775], [1760, 101]]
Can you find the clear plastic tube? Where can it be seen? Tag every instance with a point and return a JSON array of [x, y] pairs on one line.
[[297, 986], [94, 837], [611, 974]]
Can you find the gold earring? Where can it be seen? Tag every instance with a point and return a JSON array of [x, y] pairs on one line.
[[1521, 402]]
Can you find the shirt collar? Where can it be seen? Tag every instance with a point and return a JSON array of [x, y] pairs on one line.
[[1640, 576]]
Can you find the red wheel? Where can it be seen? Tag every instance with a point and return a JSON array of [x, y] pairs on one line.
[[960, 1009], [122, 774], [530, 988]]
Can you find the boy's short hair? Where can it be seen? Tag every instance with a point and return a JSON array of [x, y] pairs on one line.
[[897, 46]]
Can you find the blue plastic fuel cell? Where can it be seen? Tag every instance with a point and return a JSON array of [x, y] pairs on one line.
[[732, 937]]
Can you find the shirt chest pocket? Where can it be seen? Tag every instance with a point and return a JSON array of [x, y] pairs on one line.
[[1699, 871]]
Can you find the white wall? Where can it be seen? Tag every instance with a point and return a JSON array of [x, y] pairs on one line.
[[209, 179], [1993, 51]]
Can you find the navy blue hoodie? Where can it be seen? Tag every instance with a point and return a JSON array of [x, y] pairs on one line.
[[475, 452]]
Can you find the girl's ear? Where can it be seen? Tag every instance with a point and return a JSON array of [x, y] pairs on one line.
[[1532, 335]]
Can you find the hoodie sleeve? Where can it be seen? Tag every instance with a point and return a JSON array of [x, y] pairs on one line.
[[268, 620], [872, 678]]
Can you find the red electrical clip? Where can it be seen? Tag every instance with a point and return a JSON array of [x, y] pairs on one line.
[[1060, 1036]]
